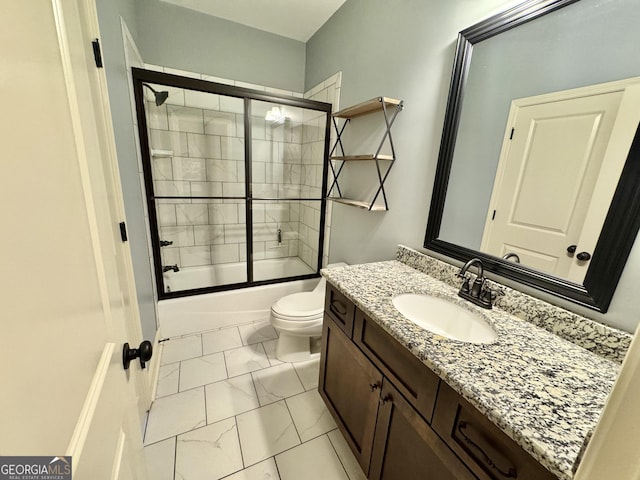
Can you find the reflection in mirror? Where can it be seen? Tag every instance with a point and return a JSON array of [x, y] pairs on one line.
[[560, 162], [535, 77]]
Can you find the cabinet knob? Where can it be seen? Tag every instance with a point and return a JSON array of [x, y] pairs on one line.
[[374, 386], [385, 399], [583, 256]]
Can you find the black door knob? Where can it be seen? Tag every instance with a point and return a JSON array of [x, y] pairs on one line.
[[143, 352], [583, 256], [572, 248]]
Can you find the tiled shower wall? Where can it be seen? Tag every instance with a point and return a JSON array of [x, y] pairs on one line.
[[197, 142], [312, 161]]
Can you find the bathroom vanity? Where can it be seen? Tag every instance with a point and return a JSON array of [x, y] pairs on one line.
[[412, 404]]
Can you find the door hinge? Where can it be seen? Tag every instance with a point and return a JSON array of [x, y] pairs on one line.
[[123, 231], [493, 217], [97, 53], [512, 131]]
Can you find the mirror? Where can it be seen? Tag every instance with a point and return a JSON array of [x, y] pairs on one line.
[[535, 48]]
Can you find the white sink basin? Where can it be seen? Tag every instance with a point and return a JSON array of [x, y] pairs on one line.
[[444, 318]]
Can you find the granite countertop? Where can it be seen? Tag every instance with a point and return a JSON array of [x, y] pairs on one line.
[[542, 391]]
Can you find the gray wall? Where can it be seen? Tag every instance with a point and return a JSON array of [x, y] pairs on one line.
[[187, 40], [589, 42], [406, 51], [109, 12]]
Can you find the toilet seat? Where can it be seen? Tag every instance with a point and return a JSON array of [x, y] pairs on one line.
[[299, 305]]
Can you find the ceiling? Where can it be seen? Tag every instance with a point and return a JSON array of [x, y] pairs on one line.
[[296, 19]]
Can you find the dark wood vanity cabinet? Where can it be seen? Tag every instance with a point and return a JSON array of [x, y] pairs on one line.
[[400, 420]]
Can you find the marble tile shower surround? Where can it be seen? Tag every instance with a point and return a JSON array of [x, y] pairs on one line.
[[208, 159], [595, 337], [206, 135]]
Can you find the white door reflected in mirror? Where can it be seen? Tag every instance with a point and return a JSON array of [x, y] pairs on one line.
[[556, 170]]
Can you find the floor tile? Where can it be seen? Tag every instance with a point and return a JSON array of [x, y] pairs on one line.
[[202, 370], [257, 332], [220, 340], [230, 397], [265, 432], [346, 456], [276, 383], [168, 380], [160, 458], [209, 453], [309, 373], [266, 470], [175, 414], [314, 460], [270, 348], [310, 415], [246, 359], [178, 349]]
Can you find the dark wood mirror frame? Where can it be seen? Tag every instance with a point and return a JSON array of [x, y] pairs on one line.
[[623, 219]]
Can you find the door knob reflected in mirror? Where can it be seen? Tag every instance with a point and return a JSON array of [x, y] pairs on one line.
[[143, 352], [583, 256]]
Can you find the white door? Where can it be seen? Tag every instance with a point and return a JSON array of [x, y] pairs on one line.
[[549, 176], [66, 286]]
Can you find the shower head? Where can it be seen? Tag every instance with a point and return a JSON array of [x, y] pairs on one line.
[[161, 96]]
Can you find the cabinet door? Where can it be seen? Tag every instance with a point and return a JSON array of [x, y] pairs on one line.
[[350, 386], [407, 448], [488, 452]]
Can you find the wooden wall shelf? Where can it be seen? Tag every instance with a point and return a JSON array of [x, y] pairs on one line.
[[390, 107]]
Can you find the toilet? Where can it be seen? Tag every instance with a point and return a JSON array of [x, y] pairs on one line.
[[298, 320]]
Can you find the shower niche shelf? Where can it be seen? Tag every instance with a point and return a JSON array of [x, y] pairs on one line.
[[390, 108]]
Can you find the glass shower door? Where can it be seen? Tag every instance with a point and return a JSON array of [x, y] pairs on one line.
[[196, 156], [287, 162], [234, 180]]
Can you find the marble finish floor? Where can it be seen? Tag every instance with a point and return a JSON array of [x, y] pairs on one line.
[[225, 407]]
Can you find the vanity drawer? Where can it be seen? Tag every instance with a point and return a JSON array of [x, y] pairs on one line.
[[412, 378], [482, 446], [339, 308]]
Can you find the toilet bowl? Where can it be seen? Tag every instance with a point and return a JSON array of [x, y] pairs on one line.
[[298, 320]]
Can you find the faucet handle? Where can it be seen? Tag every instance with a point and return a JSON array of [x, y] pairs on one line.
[[465, 284], [487, 295]]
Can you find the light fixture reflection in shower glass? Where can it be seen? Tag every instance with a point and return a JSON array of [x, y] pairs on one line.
[[276, 116]]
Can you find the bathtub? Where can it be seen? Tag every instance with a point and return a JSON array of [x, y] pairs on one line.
[[209, 311]]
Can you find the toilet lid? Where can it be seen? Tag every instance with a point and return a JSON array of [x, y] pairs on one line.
[[304, 304]]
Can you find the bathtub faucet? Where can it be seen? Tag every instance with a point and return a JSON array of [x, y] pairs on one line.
[[170, 267]]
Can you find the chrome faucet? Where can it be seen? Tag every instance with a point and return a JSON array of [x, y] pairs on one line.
[[476, 293], [170, 267]]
